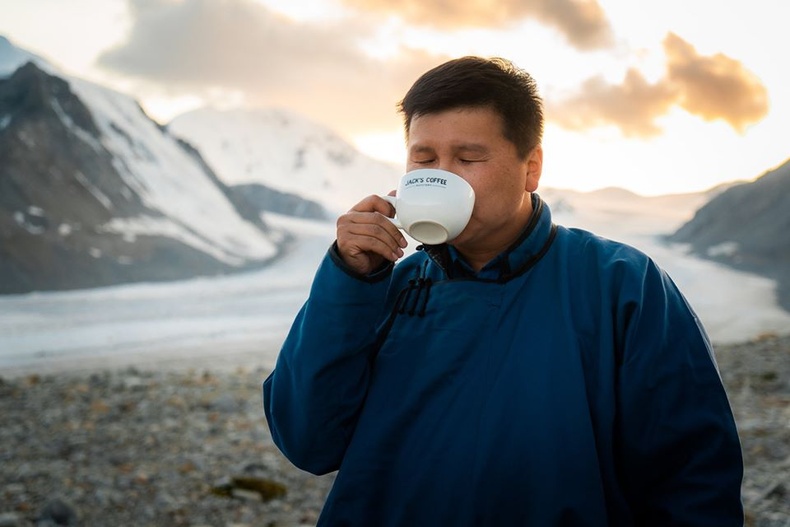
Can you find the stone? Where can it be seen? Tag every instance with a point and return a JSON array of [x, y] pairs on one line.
[[57, 512]]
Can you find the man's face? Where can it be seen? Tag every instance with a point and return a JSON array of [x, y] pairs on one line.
[[470, 142]]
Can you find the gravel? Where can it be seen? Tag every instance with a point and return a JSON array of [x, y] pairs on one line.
[[132, 447]]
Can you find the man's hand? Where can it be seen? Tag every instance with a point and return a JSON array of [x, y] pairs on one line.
[[366, 238]]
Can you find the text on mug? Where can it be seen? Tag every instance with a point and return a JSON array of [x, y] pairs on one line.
[[429, 180]]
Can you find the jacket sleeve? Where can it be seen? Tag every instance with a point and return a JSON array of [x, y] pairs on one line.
[[680, 457], [314, 395]]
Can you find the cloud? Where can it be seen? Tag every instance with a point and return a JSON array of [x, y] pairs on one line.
[[713, 87], [632, 106], [239, 47], [205, 46], [582, 22]]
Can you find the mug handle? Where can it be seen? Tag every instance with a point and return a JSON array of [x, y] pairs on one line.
[[393, 201]]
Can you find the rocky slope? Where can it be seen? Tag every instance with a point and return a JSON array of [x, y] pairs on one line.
[[747, 226], [93, 192], [191, 448]]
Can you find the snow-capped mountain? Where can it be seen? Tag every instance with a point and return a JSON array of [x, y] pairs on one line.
[[93, 192], [173, 179], [285, 152]]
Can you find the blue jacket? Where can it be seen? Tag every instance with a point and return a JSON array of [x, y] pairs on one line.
[[568, 383]]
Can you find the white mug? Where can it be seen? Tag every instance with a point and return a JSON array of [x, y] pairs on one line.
[[433, 206]]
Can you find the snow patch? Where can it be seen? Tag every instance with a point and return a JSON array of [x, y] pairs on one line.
[[26, 139], [232, 252], [68, 122], [23, 220], [100, 196], [168, 179], [728, 249]]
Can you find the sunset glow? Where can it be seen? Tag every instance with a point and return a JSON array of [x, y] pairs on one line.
[[656, 97]]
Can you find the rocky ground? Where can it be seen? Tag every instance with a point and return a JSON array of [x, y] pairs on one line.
[[757, 377], [131, 448], [167, 448]]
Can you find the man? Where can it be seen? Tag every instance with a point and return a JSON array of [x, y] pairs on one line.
[[524, 374]]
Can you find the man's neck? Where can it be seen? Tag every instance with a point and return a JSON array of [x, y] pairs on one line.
[[478, 256]]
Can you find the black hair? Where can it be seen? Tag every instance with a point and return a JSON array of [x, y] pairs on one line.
[[474, 82]]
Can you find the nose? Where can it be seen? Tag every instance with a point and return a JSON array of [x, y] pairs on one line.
[[444, 165]]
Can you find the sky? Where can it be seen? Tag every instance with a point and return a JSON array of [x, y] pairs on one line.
[[653, 96]]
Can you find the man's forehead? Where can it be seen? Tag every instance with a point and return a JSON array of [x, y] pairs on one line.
[[463, 123]]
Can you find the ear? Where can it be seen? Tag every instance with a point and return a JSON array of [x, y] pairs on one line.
[[534, 168]]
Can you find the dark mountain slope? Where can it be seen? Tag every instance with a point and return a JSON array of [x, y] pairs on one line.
[[64, 191], [748, 227]]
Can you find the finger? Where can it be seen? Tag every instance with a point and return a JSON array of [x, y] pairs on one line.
[[374, 203], [375, 220], [380, 236], [354, 237]]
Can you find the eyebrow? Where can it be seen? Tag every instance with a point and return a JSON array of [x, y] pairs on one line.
[[463, 147], [419, 149], [471, 147]]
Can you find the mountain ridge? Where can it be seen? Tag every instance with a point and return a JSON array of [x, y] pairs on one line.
[[747, 226], [77, 208]]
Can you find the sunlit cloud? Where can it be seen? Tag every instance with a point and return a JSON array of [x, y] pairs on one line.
[[713, 87], [633, 106], [201, 46], [321, 69], [583, 23]]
